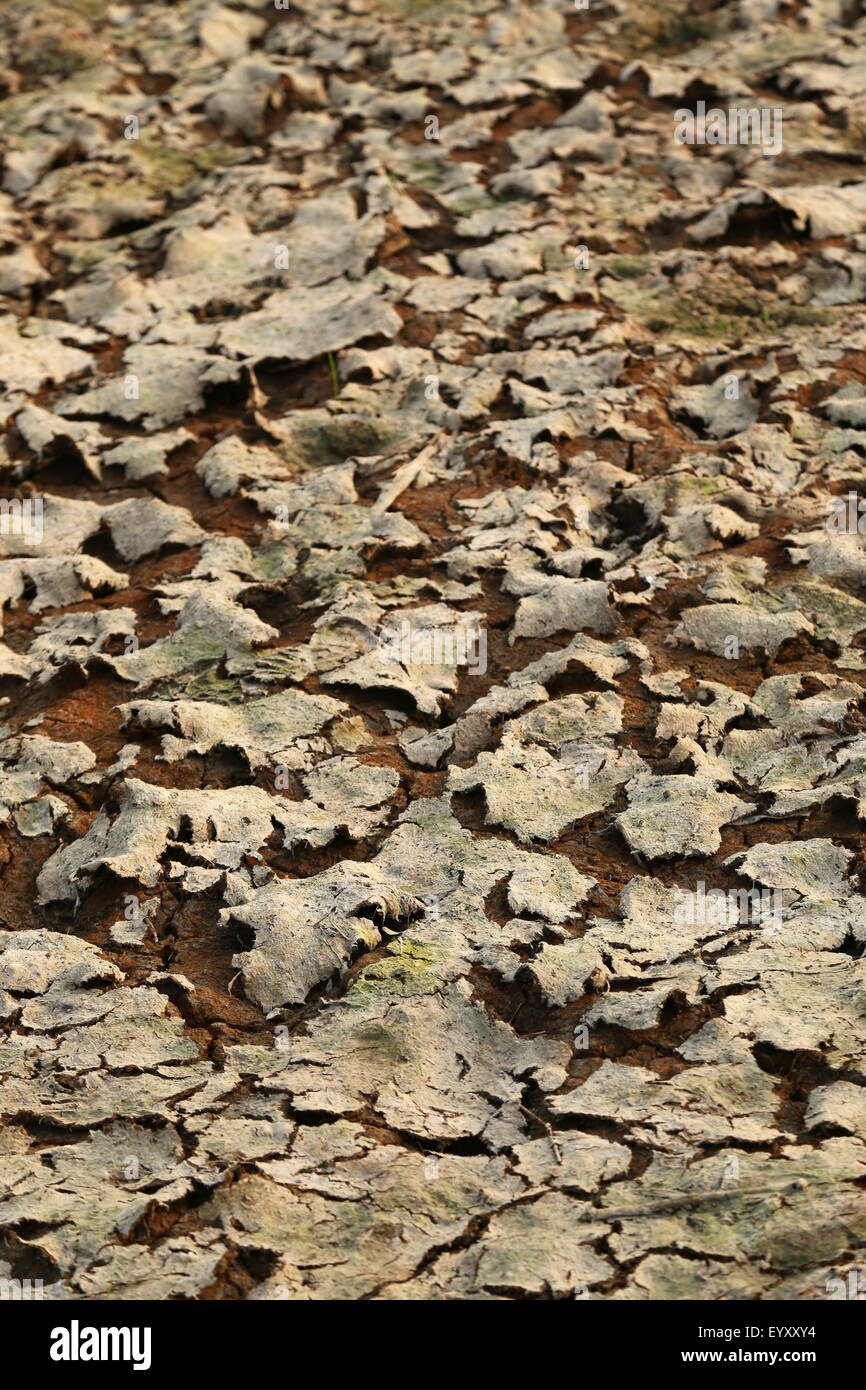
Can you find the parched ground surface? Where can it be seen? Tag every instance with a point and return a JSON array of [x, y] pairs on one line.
[[328, 970]]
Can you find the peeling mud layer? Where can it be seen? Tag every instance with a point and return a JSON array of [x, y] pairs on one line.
[[434, 651]]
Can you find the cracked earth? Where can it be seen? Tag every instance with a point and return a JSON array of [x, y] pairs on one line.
[[433, 726]]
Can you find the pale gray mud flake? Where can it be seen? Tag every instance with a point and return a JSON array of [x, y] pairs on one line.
[[812, 868], [224, 827], [530, 792], [41, 964], [565, 972], [401, 1210], [538, 1248], [722, 628], [96, 1190], [141, 526], [306, 930], [672, 816], [303, 323], [232, 462], [790, 1212], [431, 1061], [181, 1266], [74, 638], [725, 408], [815, 1003], [553, 605], [57, 581], [209, 628], [160, 385], [274, 729], [708, 1103], [29, 362], [547, 887]]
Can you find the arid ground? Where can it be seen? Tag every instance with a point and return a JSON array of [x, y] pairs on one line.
[[432, 684]]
